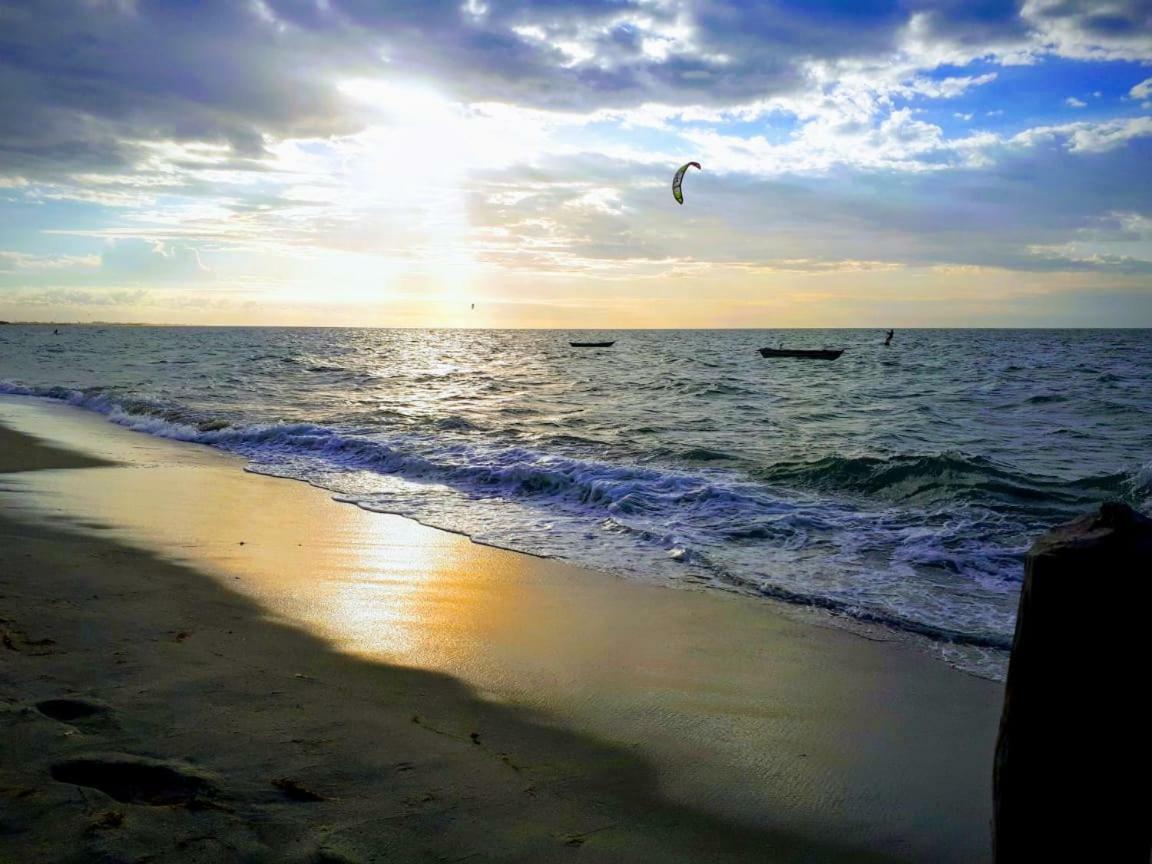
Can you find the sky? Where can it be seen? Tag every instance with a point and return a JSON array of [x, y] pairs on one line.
[[865, 163]]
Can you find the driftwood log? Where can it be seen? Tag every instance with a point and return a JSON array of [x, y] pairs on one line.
[[1072, 779]]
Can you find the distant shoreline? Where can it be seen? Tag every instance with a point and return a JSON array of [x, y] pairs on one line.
[[880, 327]]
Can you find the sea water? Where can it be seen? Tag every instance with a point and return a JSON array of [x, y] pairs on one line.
[[897, 486]]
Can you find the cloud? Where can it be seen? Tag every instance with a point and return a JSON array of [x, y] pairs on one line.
[[1076, 258], [958, 31], [80, 297], [977, 26], [1091, 29], [500, 136], [1090, 137], [89, 86], [148, 261], [86, 83], [13, 261], [124, 261]]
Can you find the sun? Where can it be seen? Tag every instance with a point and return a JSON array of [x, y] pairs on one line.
[[414, 162]]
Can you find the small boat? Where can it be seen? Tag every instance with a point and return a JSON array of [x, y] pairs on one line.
[[825, 354], [592, 344]]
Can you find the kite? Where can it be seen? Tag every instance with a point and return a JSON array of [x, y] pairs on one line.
[[679, 178]]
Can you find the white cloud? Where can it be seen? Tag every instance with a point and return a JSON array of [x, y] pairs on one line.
[[1136, 225], [1073, 102], [27, 263], [1080, 254], [1087, 137], [1142, 90], [81, 297], [602, 200], [947, 88]]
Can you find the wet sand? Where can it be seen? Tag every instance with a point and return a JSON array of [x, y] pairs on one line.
[[254, 630]]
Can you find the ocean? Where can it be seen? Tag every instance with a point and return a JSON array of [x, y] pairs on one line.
[[895, 488]]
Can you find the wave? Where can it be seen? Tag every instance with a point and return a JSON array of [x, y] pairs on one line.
[[522, 471], [515, 471], [806, 533], [847, 606], [940, 477], [1138, 486], [455, 424], [705, 454]]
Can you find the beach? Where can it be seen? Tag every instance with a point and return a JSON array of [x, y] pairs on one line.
[[610, 431], [446, 700]]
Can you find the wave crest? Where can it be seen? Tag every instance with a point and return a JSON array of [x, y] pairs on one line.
[[939, 477]]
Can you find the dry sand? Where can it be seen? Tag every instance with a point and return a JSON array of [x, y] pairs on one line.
[[246, 642]]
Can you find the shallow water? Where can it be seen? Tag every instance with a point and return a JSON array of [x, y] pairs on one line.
[[895, 485]]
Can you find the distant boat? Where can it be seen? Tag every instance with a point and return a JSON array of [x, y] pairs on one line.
[[592, 344], [824, 354]]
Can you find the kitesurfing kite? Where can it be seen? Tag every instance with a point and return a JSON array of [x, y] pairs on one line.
[[679, 178]]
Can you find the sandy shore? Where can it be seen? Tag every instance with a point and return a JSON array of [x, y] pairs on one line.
[[246, 642]]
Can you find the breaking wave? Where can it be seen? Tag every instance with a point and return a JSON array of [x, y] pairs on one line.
[[943, 477]]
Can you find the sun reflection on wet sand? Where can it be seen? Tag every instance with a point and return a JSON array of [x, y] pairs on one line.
[[373, 584]]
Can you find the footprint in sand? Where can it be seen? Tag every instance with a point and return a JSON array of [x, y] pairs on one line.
[[75, 711], [137, 779]]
